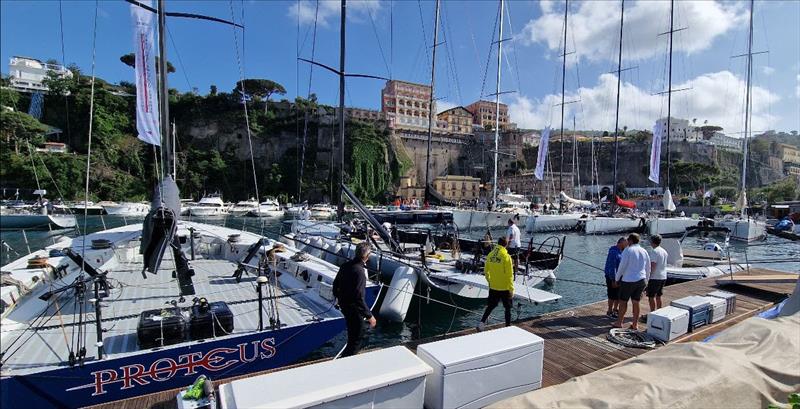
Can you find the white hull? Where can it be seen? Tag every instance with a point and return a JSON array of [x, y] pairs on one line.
[[207, 212], [481, 219], [672, 226], [746, 230], [696, 273], [607, 225], [265, 213], [552, 222], [321, 214], [127, 209], [37, 221]]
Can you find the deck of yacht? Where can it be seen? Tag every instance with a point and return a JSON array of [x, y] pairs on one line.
[[575, 338]]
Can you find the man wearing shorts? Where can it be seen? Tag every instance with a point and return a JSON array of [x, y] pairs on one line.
[[514, 242], [634, 268], [658, 274], [612, 263]]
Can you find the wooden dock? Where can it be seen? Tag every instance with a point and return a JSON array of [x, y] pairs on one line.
[[575, 338]]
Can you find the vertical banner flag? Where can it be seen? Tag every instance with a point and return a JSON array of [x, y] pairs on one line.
[[655, 152], [541, 157], [147, 117]]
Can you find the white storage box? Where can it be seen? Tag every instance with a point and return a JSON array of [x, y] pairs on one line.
[[718, 308], [668, 323], [476, 370], [730, 298], [387, 378]]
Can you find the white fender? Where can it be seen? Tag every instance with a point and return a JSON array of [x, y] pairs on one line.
[[314, 246], [401, 292]]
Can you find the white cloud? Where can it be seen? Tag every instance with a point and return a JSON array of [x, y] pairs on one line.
[[595, 27], [767, 70], [329, 11], [716, 97], [443, 105]]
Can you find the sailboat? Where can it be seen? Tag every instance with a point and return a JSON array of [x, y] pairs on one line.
[[611, 223], [744, 228], [149, 307]]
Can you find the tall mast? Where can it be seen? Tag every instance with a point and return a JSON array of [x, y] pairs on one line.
[[431, 115], [747, 102], [497, 105], [669, 84], [616, 116], [563, 84], [342, 40], [166, 141]]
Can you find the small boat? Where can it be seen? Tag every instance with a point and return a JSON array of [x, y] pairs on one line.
[[129, 209], [244, 207], [322, 211], [29, 220], [267, 208], [208, 206]]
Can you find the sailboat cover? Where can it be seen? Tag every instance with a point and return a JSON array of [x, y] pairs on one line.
[[544, 142], [147, 117], [655, 152]]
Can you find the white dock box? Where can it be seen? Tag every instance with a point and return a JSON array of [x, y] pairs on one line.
[[730, 298], [387, 378], [668, 323], [476, 370], [718, 308]]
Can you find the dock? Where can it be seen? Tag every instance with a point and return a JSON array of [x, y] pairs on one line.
[[575, 338]]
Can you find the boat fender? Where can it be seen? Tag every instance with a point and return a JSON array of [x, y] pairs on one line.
[[401, 292]]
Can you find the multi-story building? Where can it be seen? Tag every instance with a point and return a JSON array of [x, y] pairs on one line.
[[406, 105], [362, 114], [722, 141], [483, 114], [525, 183], [410, 190], [788, 153], [28, 74], [680, 130], [456, 188], [458, 120], [53, 147]]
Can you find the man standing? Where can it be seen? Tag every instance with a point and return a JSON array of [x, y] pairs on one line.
[[514, 242], [612, 263], [498, 270], [348, 287], [658, 273], [634, 268]]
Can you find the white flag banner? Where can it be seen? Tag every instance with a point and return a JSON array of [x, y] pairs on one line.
[[147, 117], [655, 153], [669, 205], [541, 157]]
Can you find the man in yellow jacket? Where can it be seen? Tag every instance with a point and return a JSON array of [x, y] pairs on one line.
[[499, 272]]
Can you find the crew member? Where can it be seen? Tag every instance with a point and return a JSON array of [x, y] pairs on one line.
[[499, 273], [514, 242], [612, 264], [658, 273], [348, 288], [634, 268]]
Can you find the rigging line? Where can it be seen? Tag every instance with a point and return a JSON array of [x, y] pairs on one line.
[[244, 105], [474, 44], [50, 174], [33, 166], [64, 62], [424, 34], [378, 39], [451, 53], [489, 54], [391, 37], [308, 97], [516, 64], [180, 61]]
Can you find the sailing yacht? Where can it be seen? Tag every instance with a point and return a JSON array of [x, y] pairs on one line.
[[149, 307]]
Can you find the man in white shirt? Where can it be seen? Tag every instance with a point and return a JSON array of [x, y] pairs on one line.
[[658, 274], [514, 242], [632, 275]]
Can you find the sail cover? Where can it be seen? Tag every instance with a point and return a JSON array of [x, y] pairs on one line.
[[625, 203], [668, 203], [564, 198], [655, 152], [541, 157], [147, 117]]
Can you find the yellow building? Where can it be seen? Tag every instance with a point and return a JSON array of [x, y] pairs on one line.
[[456, 188], [409, 190], [789, 154], [458, 119], [483, 114]]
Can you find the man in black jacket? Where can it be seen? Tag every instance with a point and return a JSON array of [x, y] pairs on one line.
[[348, 287]]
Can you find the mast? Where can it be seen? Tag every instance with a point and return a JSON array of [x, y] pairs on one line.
[[669, 84], [497, 105], [747, 102], [563, 85], [342, 40], [616, 115], [166, 142], [431, 115]]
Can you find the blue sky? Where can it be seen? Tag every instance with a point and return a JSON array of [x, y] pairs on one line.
[[386, 38]]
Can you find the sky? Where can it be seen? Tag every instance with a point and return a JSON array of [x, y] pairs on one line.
[[393, 39]]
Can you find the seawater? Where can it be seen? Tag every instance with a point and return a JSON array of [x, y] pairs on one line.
[[579, 277]]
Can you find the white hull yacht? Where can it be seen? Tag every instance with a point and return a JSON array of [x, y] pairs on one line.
[[129, 209], [244, 207], [208, 206]]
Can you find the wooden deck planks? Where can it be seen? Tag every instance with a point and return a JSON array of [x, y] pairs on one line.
[[575, 338]]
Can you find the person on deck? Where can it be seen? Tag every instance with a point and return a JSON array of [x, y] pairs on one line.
[[514, 242], [658, 273], [348, 288], [498, 270], [632, 274], [612, 263]]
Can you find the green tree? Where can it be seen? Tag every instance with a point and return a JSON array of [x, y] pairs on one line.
[[130, 60], [57, 84], [20, 128], [261, 88], [8, 98]]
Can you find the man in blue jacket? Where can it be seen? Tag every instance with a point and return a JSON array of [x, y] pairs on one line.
[[612, 263]]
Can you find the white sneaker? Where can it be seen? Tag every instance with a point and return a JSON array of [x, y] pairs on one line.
[[481, 326]]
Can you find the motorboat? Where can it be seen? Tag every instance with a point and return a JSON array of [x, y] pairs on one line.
[[244, 207], [128, 209], [711, 259], [322, 211], [209, 206], [267, 208]]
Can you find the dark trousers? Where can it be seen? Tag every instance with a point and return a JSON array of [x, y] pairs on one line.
[[495, 296], [355, 331]]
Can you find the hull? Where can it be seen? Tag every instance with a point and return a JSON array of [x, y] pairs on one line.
[[127, 209], [37, 221], [480, 219], [681, 274], [91, 210], [154, 371], [608, 225], [673, 226], [207, 212], [266, 213], [240, 211], [552, 222], [745, 230]]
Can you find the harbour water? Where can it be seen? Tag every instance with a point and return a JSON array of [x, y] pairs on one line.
[[579, 277]]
